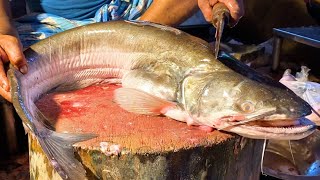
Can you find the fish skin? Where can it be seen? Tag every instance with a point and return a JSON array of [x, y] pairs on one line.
[[166, 66]]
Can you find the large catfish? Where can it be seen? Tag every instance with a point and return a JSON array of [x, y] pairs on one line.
[[162, 71]]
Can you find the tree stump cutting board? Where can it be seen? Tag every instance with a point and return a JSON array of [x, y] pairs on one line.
[[131, 146]]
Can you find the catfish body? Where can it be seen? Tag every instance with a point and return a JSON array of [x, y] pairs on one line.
[[162, 71]]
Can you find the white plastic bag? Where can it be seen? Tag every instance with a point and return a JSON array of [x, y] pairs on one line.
[[307, 90]]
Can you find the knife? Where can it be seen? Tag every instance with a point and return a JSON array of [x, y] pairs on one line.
[[220, 17]]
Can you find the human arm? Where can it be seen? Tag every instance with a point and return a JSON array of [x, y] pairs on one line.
[[10, 49], [174, 12], [170, 12], [235, 7]]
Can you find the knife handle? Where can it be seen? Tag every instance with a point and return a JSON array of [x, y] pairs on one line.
[[220, 11]]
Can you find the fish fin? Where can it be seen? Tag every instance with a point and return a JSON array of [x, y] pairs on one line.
[[58, 147], [140, 102], [42, 118]]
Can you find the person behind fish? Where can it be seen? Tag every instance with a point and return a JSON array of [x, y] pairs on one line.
[[58, 16]]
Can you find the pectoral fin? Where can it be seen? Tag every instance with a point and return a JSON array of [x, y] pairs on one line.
[[140, 102]]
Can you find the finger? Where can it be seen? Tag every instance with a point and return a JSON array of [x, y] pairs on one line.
[[3, 56], [13, 49], [213, 2], [206, 8], [3, 78], [4, 89], [236, 9], [5, 94]]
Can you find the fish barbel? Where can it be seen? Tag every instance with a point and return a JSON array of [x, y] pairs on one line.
[[162, 71]]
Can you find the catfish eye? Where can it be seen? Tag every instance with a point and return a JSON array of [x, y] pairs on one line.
[[247, 107]]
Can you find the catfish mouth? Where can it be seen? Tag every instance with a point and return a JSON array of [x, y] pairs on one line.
[[280, 129], [284, 123], [276, 120], [272, 126], [268, 118]]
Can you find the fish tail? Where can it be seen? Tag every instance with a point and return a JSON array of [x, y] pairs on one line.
[[58, 146], [59, 150]]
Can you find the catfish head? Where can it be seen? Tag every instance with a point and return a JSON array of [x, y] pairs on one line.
[[231, 102]]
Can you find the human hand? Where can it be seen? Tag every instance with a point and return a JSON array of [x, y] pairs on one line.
[[10, 52], [235, 7]]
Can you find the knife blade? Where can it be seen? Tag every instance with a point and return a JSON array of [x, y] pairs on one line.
[[220, 17]]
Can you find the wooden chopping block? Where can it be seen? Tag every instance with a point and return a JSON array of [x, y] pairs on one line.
[[149, 147]]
